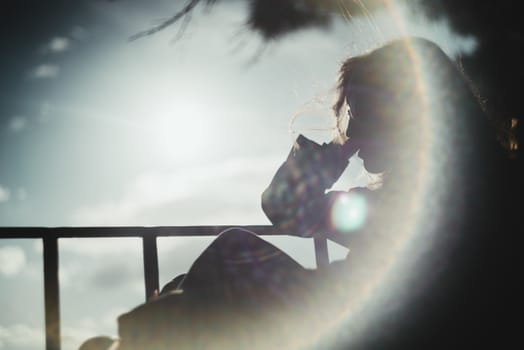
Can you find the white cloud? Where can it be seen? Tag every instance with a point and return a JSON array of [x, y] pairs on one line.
[[45, 71], [21, 193], [59, 44], [12, 260], [38, 247], [101, 246], [229, 180], [73, 337], [17, 123], [102, 273], [115, 275], [55, 45], [46, 110], [79, 33], [21, 336], [4, 194], [87, 327]]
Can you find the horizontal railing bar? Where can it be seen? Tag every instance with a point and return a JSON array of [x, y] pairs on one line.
[[131, 231]]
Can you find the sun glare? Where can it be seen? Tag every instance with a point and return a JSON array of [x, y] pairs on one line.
[[175, 123]]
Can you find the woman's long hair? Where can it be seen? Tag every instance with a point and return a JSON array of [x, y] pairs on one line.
[[410, 65], [457, 186]]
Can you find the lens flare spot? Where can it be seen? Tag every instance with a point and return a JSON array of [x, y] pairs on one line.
[[348, 212]]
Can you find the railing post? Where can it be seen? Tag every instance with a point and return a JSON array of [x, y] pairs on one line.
[[51, 293], [150, 264], [321, 251]]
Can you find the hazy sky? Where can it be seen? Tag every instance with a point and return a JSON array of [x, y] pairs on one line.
[[96, 130]]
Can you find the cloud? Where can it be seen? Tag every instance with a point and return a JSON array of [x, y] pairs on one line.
[[4, 194], [46, 111], [17, 123], [55, 45], [87, 327], [12, 260], [59, 44], [45, 71], [97, 247], [113, 263], [21, 336], [233, 181], [73, 337], [21, 193], [79, 33], [38, 247], [115, 275]]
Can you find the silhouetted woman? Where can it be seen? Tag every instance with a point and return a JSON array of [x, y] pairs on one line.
[[441, 228], [429, 261]]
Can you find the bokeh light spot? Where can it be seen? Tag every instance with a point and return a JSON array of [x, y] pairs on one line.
[[348, 212]]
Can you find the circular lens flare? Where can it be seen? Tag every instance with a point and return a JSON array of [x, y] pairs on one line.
[[348, 212]]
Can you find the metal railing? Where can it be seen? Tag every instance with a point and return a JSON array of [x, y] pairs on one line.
[[50, 237]]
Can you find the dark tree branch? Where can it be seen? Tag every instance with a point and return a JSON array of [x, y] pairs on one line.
[[190, 5], [182, 29], [274, 18]]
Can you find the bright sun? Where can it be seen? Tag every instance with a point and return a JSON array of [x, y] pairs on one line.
[[176, 125]]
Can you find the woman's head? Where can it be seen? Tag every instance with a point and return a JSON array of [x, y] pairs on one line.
[[391, 91]]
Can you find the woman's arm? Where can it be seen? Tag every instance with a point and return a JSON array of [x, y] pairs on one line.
[[295, 198]]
